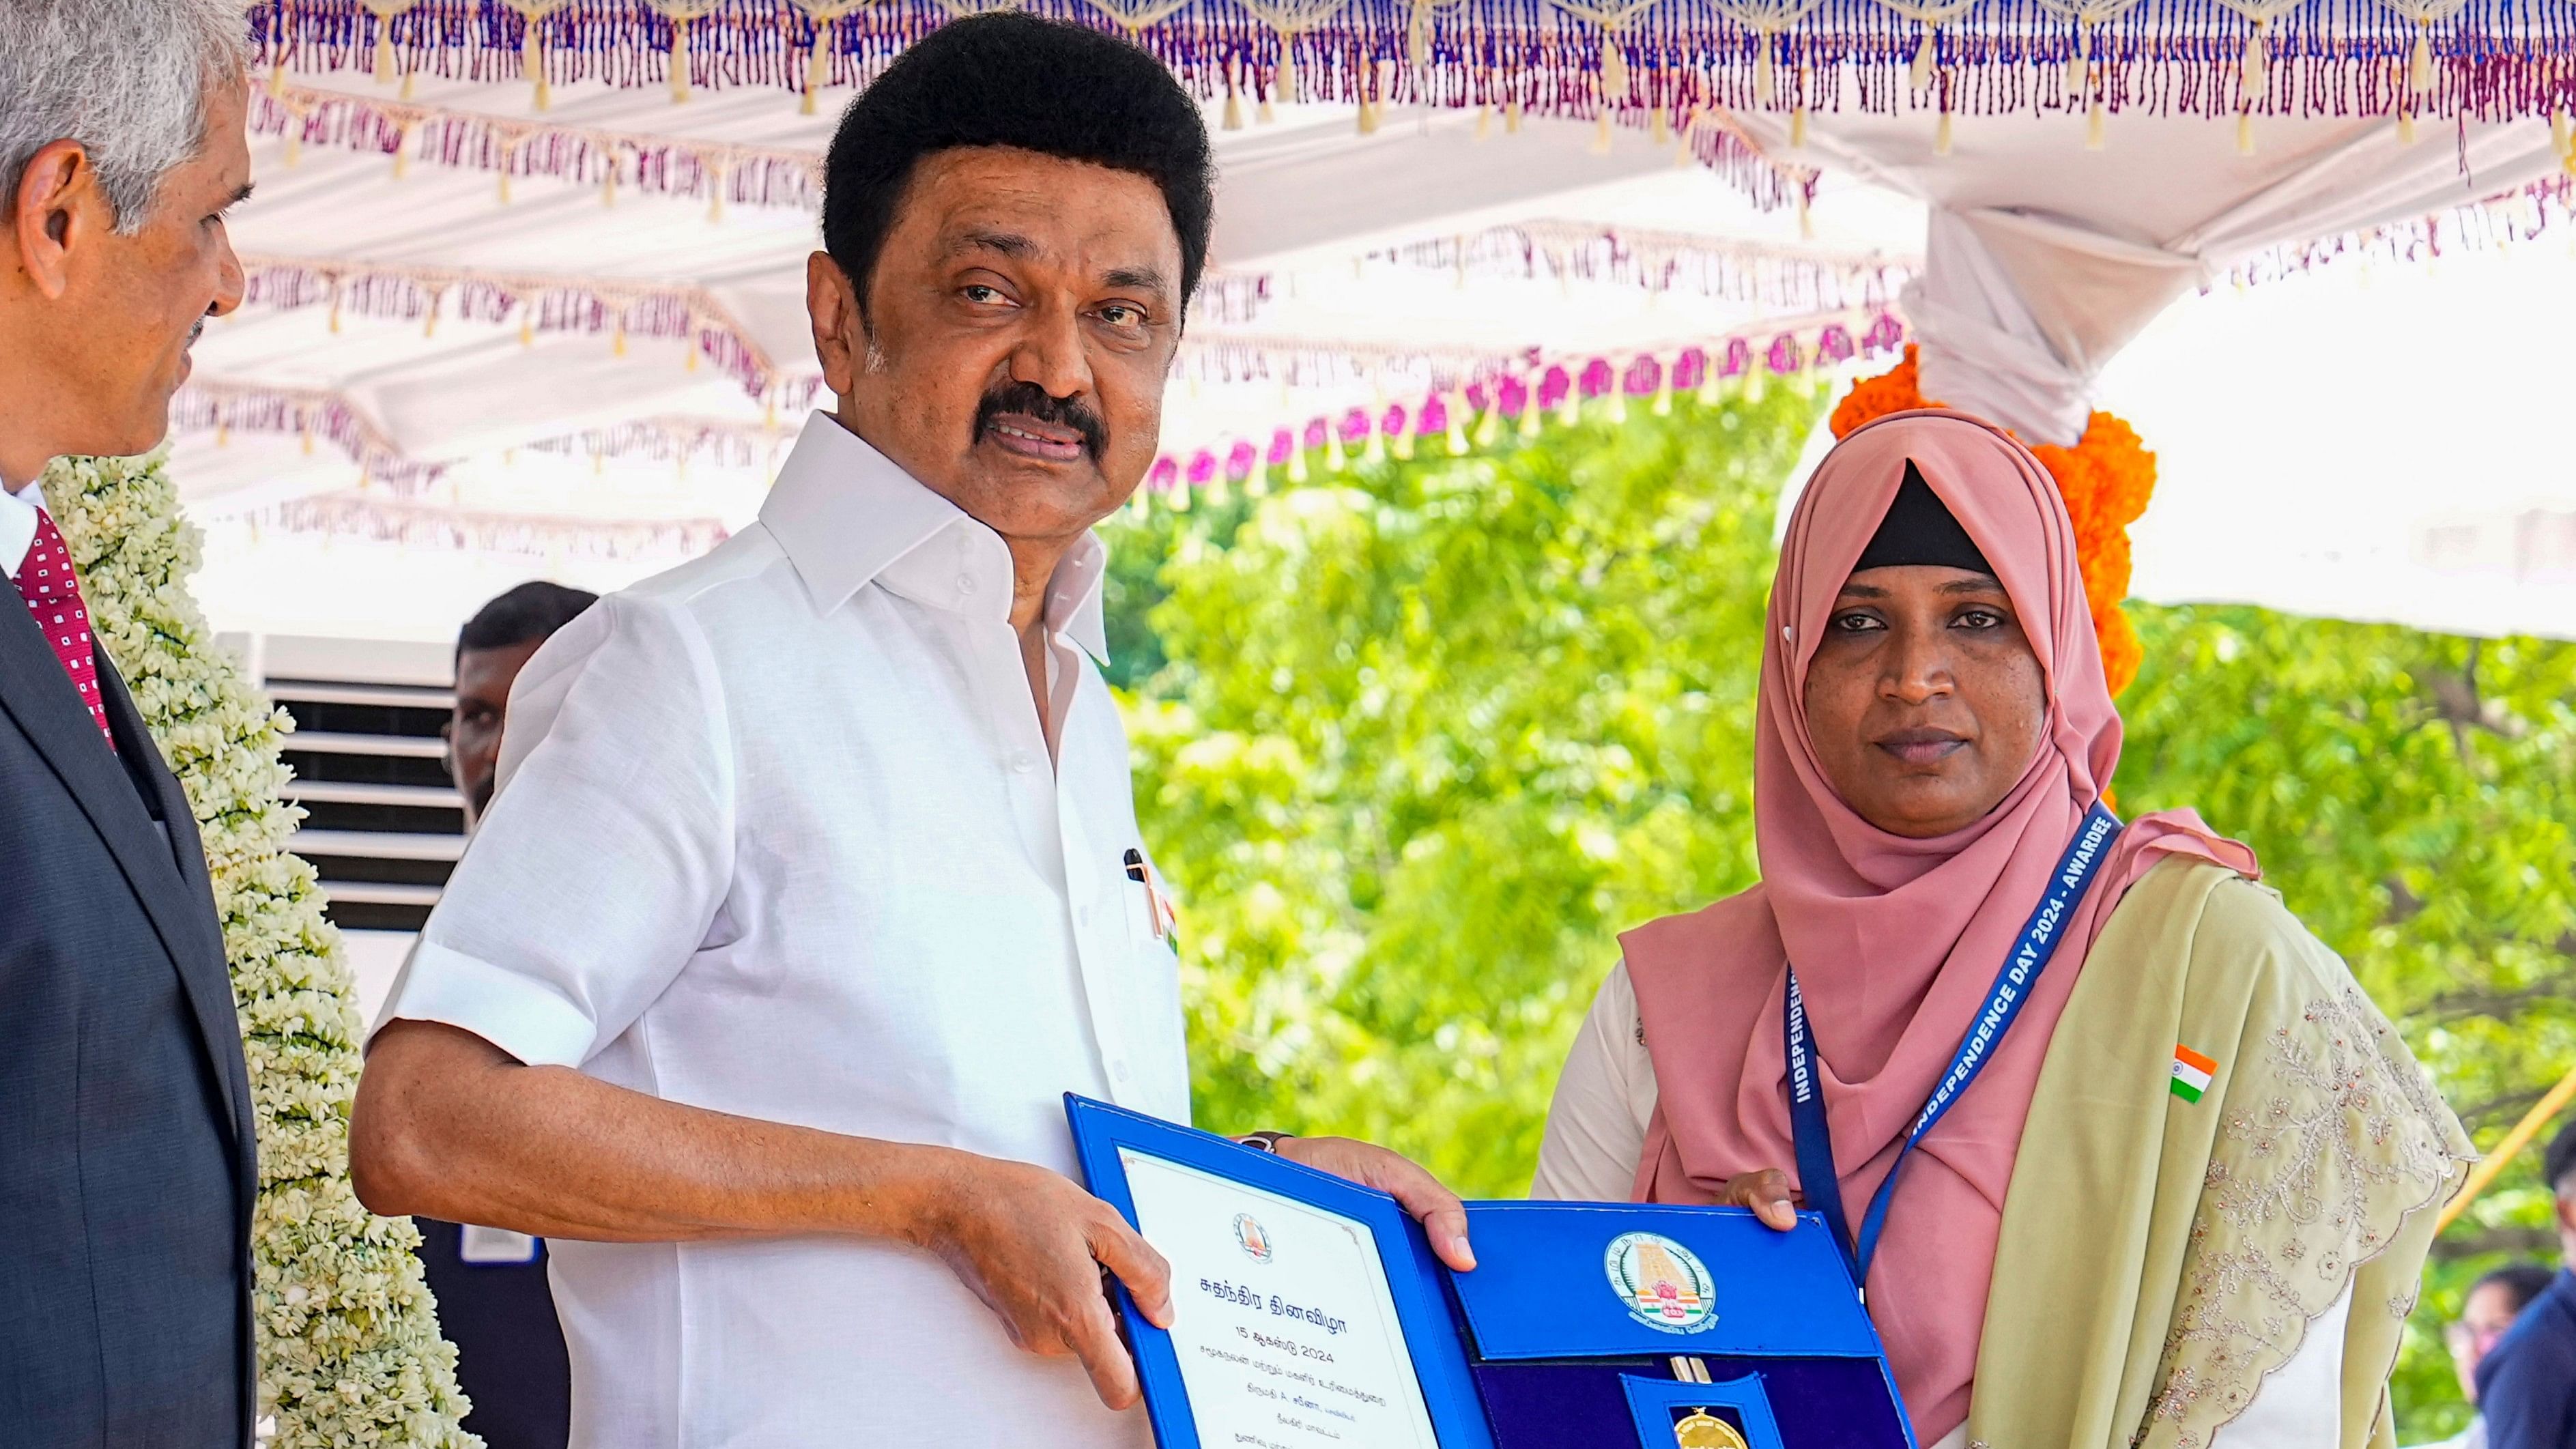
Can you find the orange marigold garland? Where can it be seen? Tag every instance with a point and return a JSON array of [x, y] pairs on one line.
[[2106, 479]]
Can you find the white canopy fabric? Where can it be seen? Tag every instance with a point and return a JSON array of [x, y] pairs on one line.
[[2046, 258], [489, 340]]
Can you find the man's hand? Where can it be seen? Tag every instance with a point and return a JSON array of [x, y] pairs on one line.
[[1766, 1192], [1444, 1218], [1032, 1244]]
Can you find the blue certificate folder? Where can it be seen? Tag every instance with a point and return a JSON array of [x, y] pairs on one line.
[[1570, 1306]]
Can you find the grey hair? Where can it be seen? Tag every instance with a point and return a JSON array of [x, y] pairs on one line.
[[127, 79]]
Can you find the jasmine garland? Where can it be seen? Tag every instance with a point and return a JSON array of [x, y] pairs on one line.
[[350, 1352]]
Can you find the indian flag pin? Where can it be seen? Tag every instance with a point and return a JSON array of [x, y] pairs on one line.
[[2191, 1073]]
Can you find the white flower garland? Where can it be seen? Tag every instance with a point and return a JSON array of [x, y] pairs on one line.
[[349, 1350]]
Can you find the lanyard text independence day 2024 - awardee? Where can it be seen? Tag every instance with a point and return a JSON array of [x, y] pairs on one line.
[[2029, 956]]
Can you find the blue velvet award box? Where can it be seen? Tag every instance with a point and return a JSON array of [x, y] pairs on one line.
[[1309, 1311]]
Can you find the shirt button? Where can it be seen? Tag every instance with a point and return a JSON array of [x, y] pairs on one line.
[[1119, 1070], [965, 583], [1023, 761]]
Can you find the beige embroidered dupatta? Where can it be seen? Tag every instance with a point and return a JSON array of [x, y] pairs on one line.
[[2160, 1257]]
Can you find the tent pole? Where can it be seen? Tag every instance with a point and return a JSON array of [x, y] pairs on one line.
[[2514, 1141]]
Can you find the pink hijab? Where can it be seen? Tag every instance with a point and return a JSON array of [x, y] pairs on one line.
[[1896, 941]]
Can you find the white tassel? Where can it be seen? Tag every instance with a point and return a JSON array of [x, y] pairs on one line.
[[2405, 127], [1512, 116], [2079, 66], [1764, 89], [2244, 133], [2097, 128], [2252, 72], [1614, 73], [1233, 101], [1798, 129], [818, 67], [532, 67], [1659, 127], [679, 60], [1286, 83], [1484, 124], [1601, 135], [2420, 74], [1925, 54], [2560, 141], [1941, 133]]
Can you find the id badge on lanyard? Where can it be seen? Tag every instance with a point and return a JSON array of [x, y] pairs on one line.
[[2029, 956]]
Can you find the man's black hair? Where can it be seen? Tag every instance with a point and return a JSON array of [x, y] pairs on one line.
[[2558, 1164], [1010, 79], [2521, 1282], [528, 614]]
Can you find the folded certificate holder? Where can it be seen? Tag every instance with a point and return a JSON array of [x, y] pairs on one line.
[[1590, 1324], [1583, 1326]]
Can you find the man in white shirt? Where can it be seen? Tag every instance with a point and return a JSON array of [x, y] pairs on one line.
[[813, 879]]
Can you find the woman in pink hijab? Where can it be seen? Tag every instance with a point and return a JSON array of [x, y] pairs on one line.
[[1933, 743]]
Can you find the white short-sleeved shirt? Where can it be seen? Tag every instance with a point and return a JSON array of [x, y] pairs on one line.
[[777, 835]]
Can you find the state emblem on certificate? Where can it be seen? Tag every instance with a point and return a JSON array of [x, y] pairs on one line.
[[1248, 1235], [1664, 1285], [1700, 1429]]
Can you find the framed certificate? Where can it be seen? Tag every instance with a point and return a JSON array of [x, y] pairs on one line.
[[1307, 1310]]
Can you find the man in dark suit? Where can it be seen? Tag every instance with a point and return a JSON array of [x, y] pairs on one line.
[[126, 1155]]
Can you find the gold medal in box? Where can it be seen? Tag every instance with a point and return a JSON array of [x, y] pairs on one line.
[[1701, 1429]]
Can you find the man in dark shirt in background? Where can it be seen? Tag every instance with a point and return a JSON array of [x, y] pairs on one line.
[[493, 1302], [2527, 1386]]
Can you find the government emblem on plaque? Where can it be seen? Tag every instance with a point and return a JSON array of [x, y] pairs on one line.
[[1663, 1284], [1254, 1242]]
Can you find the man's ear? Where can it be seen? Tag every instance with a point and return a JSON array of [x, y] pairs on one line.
[[57, 207], [840, 324]]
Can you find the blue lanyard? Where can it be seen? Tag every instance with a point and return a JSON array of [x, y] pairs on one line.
[[2030, 954]]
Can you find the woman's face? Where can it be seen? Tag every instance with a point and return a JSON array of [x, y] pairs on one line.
[[1924, 700]]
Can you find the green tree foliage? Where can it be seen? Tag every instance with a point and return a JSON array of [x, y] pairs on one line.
[[2410, 795], [1429, 735], [1417, 740]]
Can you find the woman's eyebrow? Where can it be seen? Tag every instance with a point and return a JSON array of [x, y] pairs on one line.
[[1978, 585]]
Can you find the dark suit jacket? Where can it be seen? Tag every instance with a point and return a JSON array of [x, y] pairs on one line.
[[126, 1166]]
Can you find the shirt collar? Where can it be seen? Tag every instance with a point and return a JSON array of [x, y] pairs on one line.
[[848, 516], [18, 512]]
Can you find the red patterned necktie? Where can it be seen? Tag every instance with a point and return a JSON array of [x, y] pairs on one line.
[[53, 595]]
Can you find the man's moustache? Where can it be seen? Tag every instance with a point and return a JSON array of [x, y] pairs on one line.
[[1031, 401]]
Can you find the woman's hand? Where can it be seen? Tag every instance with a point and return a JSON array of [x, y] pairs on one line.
[[1766, 1192]]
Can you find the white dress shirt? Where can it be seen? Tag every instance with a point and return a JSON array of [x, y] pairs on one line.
[[777, 835], [18, 511], [1596, 1134]]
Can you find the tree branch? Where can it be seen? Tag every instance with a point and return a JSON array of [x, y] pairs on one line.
[[2470, 1243]]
